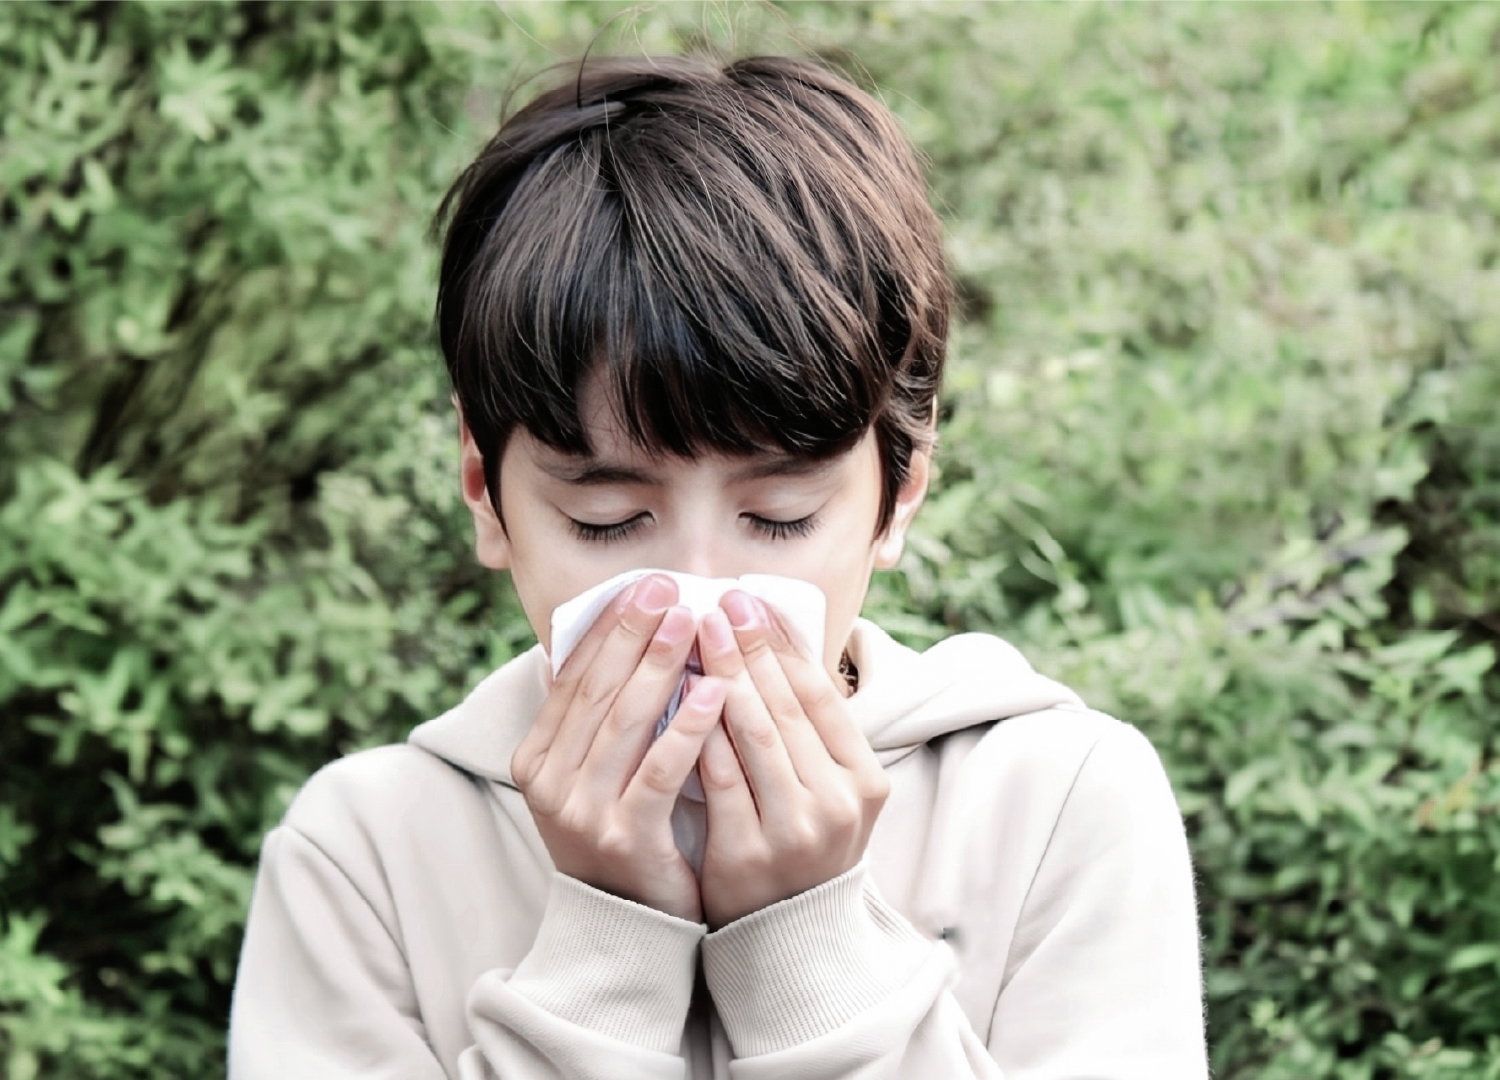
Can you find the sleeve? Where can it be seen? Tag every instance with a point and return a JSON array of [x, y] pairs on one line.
[[324, 990], [835, 983]]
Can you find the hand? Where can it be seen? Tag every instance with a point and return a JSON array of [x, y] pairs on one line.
[[600, 790], [792, 787]]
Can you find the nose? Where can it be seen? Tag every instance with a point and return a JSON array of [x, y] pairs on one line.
[[701, 549], [703, 563]]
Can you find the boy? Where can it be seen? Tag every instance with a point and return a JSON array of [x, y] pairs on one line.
[[695, 321]]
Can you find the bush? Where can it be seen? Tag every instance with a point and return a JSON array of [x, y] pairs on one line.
[[1219, 447]]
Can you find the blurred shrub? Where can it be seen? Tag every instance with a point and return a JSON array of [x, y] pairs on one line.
[[1220, 447], [230, 542], [1222, 453]]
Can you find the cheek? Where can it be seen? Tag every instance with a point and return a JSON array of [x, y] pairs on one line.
[[548, 570], [549, 565], [847, 559], [544, 574], [844, 578], [845, 598], [537, 600]]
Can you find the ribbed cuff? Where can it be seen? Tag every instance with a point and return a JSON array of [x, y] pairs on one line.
[[799, 969], [611, 965]]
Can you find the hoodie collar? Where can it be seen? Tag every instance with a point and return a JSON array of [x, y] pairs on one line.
[[905, 699]]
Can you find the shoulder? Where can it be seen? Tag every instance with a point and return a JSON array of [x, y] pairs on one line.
[[374, 798], [1063, 783], [1072, 744], [1084, 802], [398, 776], [1046, 749]]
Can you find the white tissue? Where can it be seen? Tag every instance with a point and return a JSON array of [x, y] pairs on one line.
[[799, 603]]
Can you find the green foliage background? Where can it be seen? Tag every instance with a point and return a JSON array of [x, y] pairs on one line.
[[1221, 447]]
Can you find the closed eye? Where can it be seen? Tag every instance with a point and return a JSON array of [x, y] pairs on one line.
[[609, 532], [593, 533], [782, 530]]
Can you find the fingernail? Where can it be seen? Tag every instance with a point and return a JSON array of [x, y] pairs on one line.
[[676, 626], [716, 632], [741, 609], [654, 594]]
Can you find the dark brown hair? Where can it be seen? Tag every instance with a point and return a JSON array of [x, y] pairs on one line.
[[744, 253]]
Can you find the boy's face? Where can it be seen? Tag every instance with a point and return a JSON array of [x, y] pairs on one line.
[[572, 522]]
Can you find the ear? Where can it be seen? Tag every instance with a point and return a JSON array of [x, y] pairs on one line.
[[491, 545], [909, 496]]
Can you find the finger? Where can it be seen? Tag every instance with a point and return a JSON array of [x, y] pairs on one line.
[[784, 637], [588, 647], [753, 633], [757, 740], [560, 689], [595, 686], [821, 701], [657, 781], [779, 636], [827, 712], [727, 798], [627, 728]]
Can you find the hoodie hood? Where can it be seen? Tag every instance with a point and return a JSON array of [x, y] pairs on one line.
[[905, 699]]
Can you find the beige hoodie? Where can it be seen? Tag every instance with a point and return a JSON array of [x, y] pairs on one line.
[[1025, 910]]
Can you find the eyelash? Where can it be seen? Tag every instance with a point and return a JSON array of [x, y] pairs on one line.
[[605, 534], [619, 530], [783, 530]]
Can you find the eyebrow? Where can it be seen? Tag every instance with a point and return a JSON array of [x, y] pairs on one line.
[[586, 472], [785, 465]]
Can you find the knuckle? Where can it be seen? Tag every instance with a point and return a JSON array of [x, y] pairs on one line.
[[718, 775], [872, 783], [523, 766], [762, 736], [574, 668], [617, 723], [594, 689], [821, 696], [544, 801], [615, 840], [658, 775], [802, 836], [615, 845], [843, 812]]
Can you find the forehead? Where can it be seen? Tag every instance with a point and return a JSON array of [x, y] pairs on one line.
[[616, 457]]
